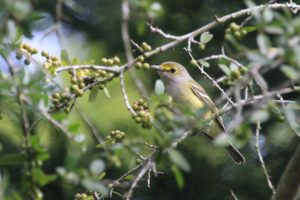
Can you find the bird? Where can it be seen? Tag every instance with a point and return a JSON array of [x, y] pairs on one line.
[[184, 90]]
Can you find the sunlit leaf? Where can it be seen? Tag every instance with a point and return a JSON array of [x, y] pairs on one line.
[[259, 116], [159, 87], [74, 127], [204, 63], [41, 178], [64, 56], [263, 43], [179, 160], [290, 72], [224, 68], [205, 37]]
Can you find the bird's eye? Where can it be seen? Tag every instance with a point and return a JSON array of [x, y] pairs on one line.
[[173, 70]]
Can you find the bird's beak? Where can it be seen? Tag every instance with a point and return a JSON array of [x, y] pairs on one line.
[[156, 67]]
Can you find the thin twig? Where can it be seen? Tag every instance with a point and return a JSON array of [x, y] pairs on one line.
[[125, 95], [128, 50], [261, 159]]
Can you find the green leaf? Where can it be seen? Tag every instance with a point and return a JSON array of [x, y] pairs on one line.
[[59, 116], [179, 160], [106, 92], [249, 28], [268, 15], [11, 29], [92, 185], [205, 37], [290, 72], [159, 87], [41, 178], [259, 116], [224, 68], [12, 159], [93, 94], [263, 43], [233, 67], [74, 127], [178, 176], [64, 56], [97, 166], [204, 63], [292, 118]]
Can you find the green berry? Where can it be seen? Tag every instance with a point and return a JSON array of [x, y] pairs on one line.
[[235, 75], [228, 37], [141, 58], [201, 46], [234, 27], [74, 80], [146, 66], [138, 65], [243, 32], [44, 54], [237, 34], [110, 62], [19, 54], [104, 61], [194, 62], [26, 61], [243, 70], [116, 60]]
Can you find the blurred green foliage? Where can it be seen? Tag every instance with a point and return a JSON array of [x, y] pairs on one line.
[[59, 167]]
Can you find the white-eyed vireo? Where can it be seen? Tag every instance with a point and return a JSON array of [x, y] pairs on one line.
[[186, 91]]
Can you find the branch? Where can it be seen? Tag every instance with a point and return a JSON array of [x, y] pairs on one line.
[[258, 127], [187, 36], [128, 50], [125, 95]]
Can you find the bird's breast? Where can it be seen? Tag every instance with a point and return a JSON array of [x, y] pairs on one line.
[[182, 94]]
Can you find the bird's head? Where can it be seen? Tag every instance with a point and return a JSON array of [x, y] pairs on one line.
[[172, 71]]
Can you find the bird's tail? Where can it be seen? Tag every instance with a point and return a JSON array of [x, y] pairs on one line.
[[235, 154]]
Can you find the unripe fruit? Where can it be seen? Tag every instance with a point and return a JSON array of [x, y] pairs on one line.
[[201, 46], [141, 58], [243, 32], [237, 34], [116, 60], [235, 74], [138, 65], [110, 62], [194, 62], [26, 61], [234, 26], [104, 61], [243, 70], [19, 54], [146, 66]]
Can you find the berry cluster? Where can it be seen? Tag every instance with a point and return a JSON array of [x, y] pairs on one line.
[[142, 115], [83, 196], [26, 50], [61, 100], [146, 47], [234, 75], [116, 136], [140, 64], [234, 31], [51, 63], [111, 61]]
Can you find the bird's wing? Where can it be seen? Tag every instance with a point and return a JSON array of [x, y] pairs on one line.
[[202, 95]]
